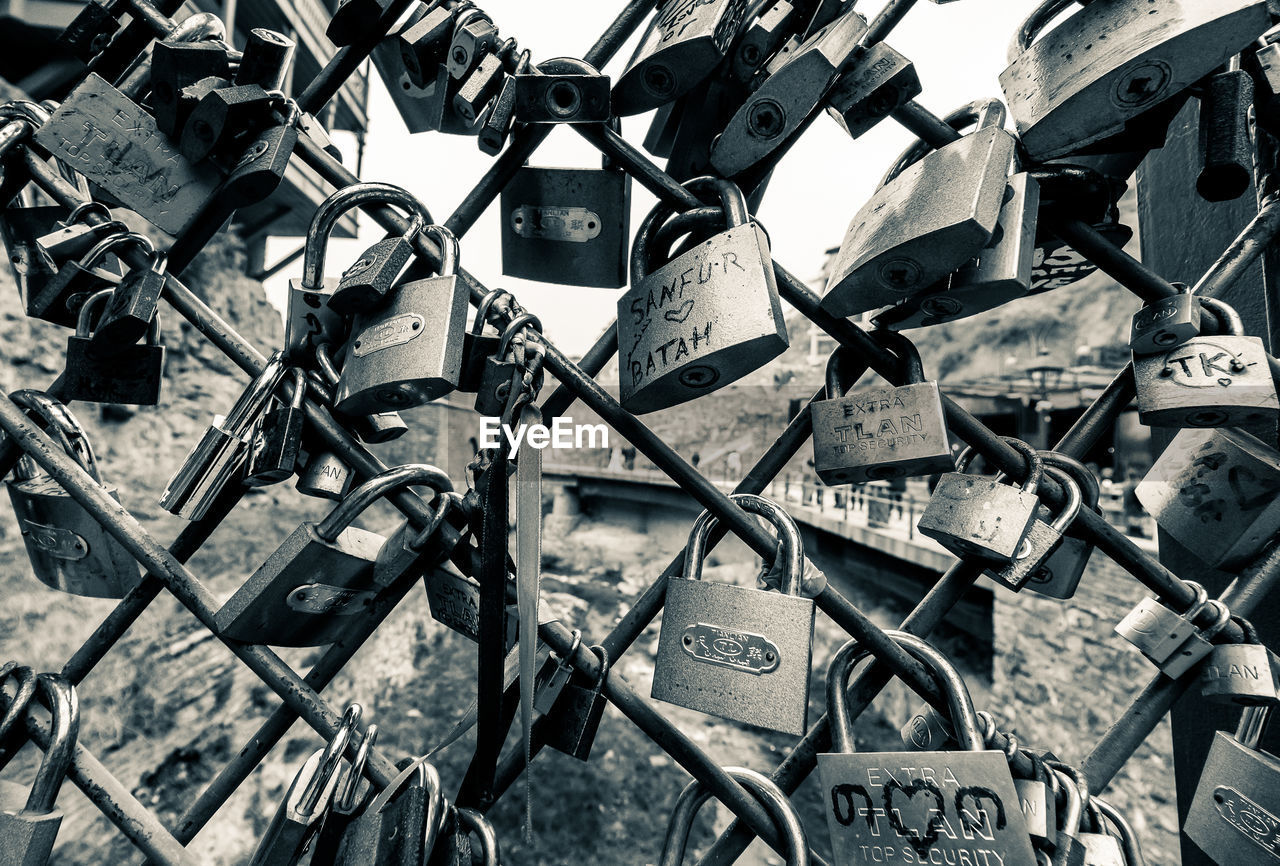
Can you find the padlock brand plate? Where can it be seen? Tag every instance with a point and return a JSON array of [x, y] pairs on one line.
[[1254, 822], [317, 598], [573, 224], [923, 807], [395, 331], [109, 139], [55, 541], [739, 650]]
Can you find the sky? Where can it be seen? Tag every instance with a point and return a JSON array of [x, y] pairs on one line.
[[959, 49]]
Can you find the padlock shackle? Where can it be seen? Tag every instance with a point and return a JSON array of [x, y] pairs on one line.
[[1253, 724], [333, 752], [682, 224], [334, 207], [446, 500], [92, 206], [1035, 465], [64, 427], [478, 825], [1072, 812], [1085, 480], [199, 27], [16, 711], [1228, 319], [64, 705], [760, 786], [254, 398], [482, 310], [783, 523], [1031, 26], [299, 398], [325, 366], [524, 320], [104, 246], [430, 779], [844, 369], [396, 478], [345, 798], [733, 206], [24, 109], [1072, 502], [841, 667], [981, 113], [905, 351], [448, 243], [1128, 839], [85, 315]]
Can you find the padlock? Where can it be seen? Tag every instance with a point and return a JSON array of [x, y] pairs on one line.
[[673, 349], [1100, 847], [928, 805], [64, 294], [1068, 848], [370, 429], [478, 346], [350, 799], [476, 824], [999, 273], [325, 475], [29, 821], [1198, 646], [219, 456], [502, 374], [314, 130], [70, 238], [1246, 674], [575, 717], [355, 20], [562, 90], [787, 96], [1214, 492], [771, 797], [1058, 264], [474, 35], [497, 122], [882, 433], [761, 39], [175, 65], [222, 115], [569, 226], [481, 85], [1226, 146], [266, 59], [364, 287], [454, 601], [1222, 380], [1043, 539], [1037, 801], [684, 44], [261, 166], [91, 29], [1165, 324], [980, 517], [401, 824], [699, 117], [1060, 574], [131, 374], [127, 316], [878, 82], [412, 550], [1236, 809], [30, 263], [738, 653], [189, 96], [927, 218], [408, 352], [553, 676], [308, 323], [1126, 851], [453, 847], [423, 43], [320, 575], [295, 824], [277, 437], [1158, 631], [69, 550]]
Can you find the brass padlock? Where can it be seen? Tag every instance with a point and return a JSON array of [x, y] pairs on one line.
[[881, 433], [927, 218], [408, 352], [1043, 539], [1064, 97], [132, 374], [320, 575], [675, 345], [1166, 323], [879, 81], [909, 805], [1222, 380], [738, 653], [69, 550], [1060, 574], [1215, 493], [980, 517]]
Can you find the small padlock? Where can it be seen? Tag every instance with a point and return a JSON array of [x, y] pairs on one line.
[[480, 86], [1159, 632], [350, 799], [266, 59], [1068, 848], [884, 432], [220, 116], [308, 323], [497, 122], [1222, 380], [454, 601], [91, 29], [760, 40], [412, 550], [325, 475], [1236, 809], [1043, 539], [569, 226], [69, 550], [475, 824], [409, 351], [980, 517], [64, 294], [913, 804], [562, 90], [424, 43], [879, 81], [1037, 798], [672, 348], [474, 35], [1246, 674], [370, 429], [731, 651], [29, 822], [1126, 851], [261, 166], [685, 42], [1215, 492], [320, 575], [418, 80], [1165, 324], [72, 237], [1060, 574], [927, 218], [553, 676], [478, 346], [128, 314], [175, 65], [277, 438], [575, 718], [1065, 99], [131, 374], [787, 820], [1197, 648], [502, 374], [365, 286]]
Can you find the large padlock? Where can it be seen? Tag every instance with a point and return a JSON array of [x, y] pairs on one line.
[[575, 716], [1235, 814], [132, 374], [927, 218], [1065, 97], [61, 298], [365, 286], [685, 42], [1060, 574], [1165, 324], [925, 806], [772, 798], [1044, 537], [409, 351], [884, 432], [879, 81], [69, 550], [738, 653], [1223, 380], [304, 592], [1215, 492], [787, 96], [567, 225], [673, 345], [562, 90], [1245, 674], [276, 439], [977, 516], [999, 273], [29, 821]]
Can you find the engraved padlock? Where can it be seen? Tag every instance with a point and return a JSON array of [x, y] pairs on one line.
[[703, 320], [409, 351], [879, 81], [132, 374], [881, 433], [69, 550], [324, 474], [1245, 674], [735, 652], [1044, 537], [927, 218], [304, 592]]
